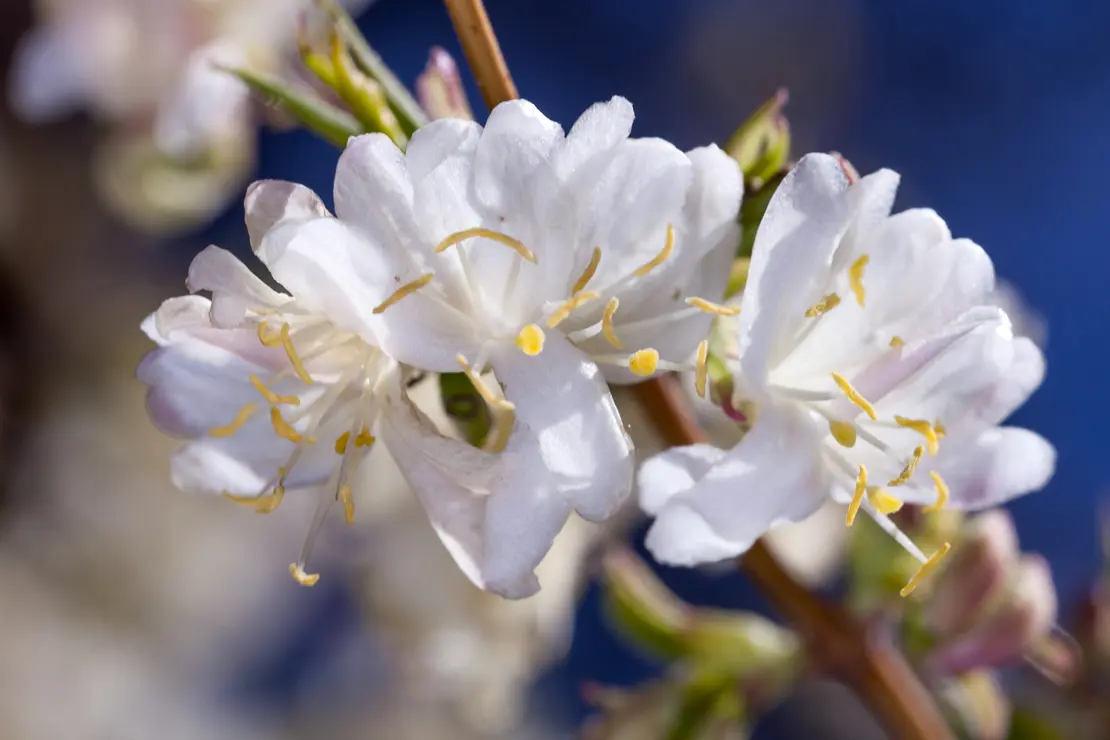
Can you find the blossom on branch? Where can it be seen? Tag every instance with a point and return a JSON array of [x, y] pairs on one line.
[[875, 369]]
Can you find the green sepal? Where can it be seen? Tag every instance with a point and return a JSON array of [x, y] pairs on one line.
[[465, 407]]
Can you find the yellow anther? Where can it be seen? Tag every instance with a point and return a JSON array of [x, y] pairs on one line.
[[562, 312], [883, 502], [857, 497], [854, 396], [348, 502], [701, 373], [942, 493], [260, 504], [483, 390], [826, 304], [587, 274], [896, 341], [305, 579], [843, 432], [282, 428], [714, 308], [940, 429], [272, 398], [907, 471], [240, 419], [855, 278], [530, 340], [925, 569], [461, 236], [364, 438], [268, 335], [607, 329], [643, 362], [294, 358], [660, 258], [341, 443], [405, 290], [932, 443]]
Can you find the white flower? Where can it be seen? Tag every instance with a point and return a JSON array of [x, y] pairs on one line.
[[876, 371], [543, 257], [273, 393]]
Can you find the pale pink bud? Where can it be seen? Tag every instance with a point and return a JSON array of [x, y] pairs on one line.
[[439, 88]]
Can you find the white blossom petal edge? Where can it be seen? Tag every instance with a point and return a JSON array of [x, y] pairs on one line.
[[876, 370]]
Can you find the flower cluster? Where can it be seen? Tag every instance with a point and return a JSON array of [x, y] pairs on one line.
[[869, 363], [559, 262]]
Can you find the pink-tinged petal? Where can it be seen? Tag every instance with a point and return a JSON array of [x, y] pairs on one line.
[[1000, 464], [774, 475], [234, 288], [791, 260], [270, 202]]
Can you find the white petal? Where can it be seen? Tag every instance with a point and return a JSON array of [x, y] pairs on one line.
[[516, 145], [568, 451], [1001, 464], [234, 287], [870, 200], [672, 472], [601, 127], [374, 192], [773, 475], [438, 141], [790, 260], [269, 202]]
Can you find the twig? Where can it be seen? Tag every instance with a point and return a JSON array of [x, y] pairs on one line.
[[839, 645], [483, 53]]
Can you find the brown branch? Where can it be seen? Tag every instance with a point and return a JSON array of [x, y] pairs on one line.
[[838, 644], [483, 53]]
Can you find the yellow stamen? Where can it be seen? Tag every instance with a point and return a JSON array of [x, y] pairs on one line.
[[607, 323], [460, 236], [854, 395], [587, 274], [857, 497], [348, 503], [269, 336], [942, 493], [940, 429], [341, 443], [701, 374], [530, 340], [643, 362], [843, 432], [883, 502], [405, 290], [240, 419], [487, 395], [896, 341], [659, 258], [924, 428], [364, 438], [305, 579], [562, 312], [714, 308], [282, 428], [502, 428], [925, 569], [260, 504], [910, 467], [272, 398], [855, 278], [294, 358], [826, 304]]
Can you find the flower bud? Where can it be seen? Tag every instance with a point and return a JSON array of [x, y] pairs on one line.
[[439, 88], [1022, 614], [975, 574], [762, 143]]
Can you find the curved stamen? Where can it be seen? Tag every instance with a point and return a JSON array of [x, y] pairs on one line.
[[701, 374], [240, 419], [460, 236], [561, 313], [925, 568], [923, 428], [883, 501], [709, 307], [823, 306], [587, 274], [857, 496], [855, 278], [272, 398], [668, 247], [908, 471], [294, 358], [405, 290], [607, 329], [853, 395], [942, 493], [483, 390], [305, 579]]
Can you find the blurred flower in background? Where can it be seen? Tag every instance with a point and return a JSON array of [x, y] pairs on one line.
[[181, 132]]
